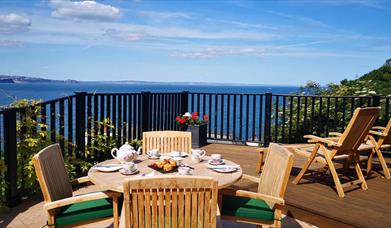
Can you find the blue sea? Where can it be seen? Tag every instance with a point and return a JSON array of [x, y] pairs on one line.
[[48, 91]]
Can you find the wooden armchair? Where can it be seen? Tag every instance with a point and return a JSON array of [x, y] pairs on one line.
[[170, 201], [345, 146], [383, 134], [167, 141], [61, 206], [262, 207]]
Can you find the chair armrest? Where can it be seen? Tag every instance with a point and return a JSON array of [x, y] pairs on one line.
[[250, 178], [81, 180], [317, 139], [335, 133], [377, 133], [260, 196], [378, 128], [79, 198]]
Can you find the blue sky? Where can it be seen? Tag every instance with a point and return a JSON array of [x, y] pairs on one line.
[[262, 42]]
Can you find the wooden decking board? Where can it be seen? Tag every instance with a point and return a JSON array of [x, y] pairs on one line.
[[359, 208]]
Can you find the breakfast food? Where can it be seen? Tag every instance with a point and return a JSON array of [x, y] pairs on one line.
[[166, 165]]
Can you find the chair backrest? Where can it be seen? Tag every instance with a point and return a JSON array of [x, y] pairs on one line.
[[170, 201], [357, 129], [276, 171], [51, 173], [167, 141], [386, 139]]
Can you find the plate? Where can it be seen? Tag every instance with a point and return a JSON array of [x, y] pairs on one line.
[[161, 170], [225, 170], [108, 168], [176, 154], [211, 162], [153, 157], [124, 172]]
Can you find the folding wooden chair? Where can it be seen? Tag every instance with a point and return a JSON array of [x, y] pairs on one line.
[[167, 141], [262, 207], [346, 146], [170, 201], [384, 142], [62, 207]]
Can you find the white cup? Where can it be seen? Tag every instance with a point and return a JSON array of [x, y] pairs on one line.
[[178, 160], [198, 152], [153, 153], [216, 157], [130, 167], [185, 170], [165, 157]]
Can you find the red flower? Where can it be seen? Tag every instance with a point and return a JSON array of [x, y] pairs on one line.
[[206, 117], [177, 118], [182, 121], [195, 114]]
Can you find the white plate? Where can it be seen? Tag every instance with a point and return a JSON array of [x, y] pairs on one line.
[[176, 154], [124, 172], [153, 157], [211, 162], [225, 170], [108, 168]]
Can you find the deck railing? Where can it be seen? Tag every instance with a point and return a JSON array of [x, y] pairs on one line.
[[72, 121]]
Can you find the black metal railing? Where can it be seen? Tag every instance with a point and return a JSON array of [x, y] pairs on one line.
[[72, 121]]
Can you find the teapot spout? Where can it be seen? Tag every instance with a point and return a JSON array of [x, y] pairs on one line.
[[139, 150]]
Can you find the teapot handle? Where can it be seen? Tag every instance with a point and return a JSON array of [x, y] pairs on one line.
[[139, 150], [202, 153], [112, 152]]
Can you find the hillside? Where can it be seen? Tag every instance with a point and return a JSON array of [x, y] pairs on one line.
[[25, 79]]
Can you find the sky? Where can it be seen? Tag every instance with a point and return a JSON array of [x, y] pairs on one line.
[[281, 42]]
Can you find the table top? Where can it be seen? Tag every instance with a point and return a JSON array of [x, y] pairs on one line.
[[114, 180]]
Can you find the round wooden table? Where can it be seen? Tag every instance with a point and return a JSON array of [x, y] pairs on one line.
[[113, 180]]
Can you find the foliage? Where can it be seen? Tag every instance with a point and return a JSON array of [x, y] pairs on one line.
[[191, 119]]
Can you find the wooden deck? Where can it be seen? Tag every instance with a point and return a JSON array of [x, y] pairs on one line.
[[312, 202], [316, 202]]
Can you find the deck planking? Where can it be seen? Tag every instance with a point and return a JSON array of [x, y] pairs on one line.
[[316, 201]]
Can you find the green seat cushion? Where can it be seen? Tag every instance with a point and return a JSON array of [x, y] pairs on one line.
[[246, 208], [85, 211]]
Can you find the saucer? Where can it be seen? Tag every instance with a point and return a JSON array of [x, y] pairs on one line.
[[124, 172], [153, 157], [213, 162]]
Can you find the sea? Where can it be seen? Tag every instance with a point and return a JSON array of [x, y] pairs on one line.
[[10, 92]]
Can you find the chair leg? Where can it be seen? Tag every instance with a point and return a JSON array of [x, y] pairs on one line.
[[307, 164], [277, 218], [360, 176], [383, 163], [334, 174], [51, 220], [115, 212], [369, 162]]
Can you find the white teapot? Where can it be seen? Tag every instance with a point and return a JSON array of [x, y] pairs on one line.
[[126, 153]]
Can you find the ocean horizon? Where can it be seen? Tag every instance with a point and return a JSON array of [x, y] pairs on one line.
[[10, 92]]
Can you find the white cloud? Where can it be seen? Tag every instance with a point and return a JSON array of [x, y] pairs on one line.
[[123, 36], [81, 10], [11, 43], [161, 16], [11, 23]]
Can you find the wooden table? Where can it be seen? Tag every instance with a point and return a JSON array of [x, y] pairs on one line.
[[113, 180]]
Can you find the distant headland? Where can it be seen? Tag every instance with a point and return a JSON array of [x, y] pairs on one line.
[[25, 79]]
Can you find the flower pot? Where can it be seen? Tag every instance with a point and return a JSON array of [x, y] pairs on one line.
[[198, 135]]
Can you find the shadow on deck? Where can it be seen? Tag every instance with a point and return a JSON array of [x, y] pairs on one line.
[[317, 202]]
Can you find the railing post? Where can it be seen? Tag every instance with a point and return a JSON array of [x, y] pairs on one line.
[[10, 157], [268, 119], [145, 112], [376, 103], [184, 102], [80, 123]]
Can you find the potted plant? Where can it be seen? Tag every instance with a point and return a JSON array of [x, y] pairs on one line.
[[196, 125]]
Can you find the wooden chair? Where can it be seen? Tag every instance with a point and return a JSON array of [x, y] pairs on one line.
[[62, 207], [384, 142], [262, 207], [346, 146], [167, 141], [170, 201]]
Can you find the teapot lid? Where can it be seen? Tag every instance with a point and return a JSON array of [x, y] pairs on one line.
[[126, 146]]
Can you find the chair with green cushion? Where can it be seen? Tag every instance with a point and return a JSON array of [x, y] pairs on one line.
[[262, 207], [62, 207]]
